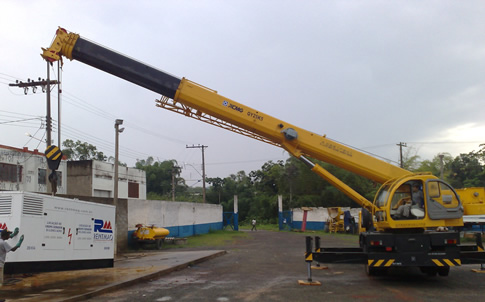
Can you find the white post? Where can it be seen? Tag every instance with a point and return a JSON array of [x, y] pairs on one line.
[[236, 215], [280, 203], [280, 212]]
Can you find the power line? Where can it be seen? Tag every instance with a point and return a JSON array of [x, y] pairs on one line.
[[101, 143], [10, 76], [81, 104], [444, 143], [242, 162], [20, 114], [17, 121]]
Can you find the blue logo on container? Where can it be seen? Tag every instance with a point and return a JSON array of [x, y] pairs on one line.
[[102, 230]]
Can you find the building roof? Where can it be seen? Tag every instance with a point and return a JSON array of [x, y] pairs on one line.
[[24, 150]]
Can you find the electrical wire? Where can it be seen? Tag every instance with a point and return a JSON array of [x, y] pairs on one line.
[[17, 121], [98, 142]]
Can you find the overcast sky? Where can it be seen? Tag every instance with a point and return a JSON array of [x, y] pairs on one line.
[[369, 74]]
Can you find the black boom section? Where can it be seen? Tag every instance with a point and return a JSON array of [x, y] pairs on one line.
[[126, 68]]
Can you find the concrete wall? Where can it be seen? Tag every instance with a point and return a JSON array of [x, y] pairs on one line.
[[80, 177], [317, 217], [181, 218], [32, 163]]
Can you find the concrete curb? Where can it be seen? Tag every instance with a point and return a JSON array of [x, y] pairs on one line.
[[123, 284]]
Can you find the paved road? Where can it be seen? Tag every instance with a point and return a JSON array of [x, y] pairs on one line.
[[267, 265]]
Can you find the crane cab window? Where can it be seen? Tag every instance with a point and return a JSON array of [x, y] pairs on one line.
[[408, 201], [442, 201], [443, 194]]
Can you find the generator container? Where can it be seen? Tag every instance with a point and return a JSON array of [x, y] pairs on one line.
[[59, 233]]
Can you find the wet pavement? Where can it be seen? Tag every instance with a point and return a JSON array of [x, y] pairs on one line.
[[80, 285], [266, 266]]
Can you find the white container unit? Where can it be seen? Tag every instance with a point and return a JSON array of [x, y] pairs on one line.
[[60, 233]]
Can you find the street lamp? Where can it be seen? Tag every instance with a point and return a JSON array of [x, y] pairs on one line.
[[118, 122], [33, 137]]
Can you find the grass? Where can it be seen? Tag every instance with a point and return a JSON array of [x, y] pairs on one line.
[[212, 239], [217, 239], [265, 227]]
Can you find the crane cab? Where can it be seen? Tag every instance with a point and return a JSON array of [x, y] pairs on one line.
[[419, 201]]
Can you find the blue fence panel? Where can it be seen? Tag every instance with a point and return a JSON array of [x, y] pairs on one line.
[[285, 220]]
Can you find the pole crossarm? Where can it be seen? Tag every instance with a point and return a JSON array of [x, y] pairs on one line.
[[33, 83]]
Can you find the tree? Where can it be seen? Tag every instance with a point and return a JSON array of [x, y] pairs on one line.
[[81, 151], [466, 171], [410, 160], [217, 185], [269, 179], [159, 177], [434, 165], [257, 192]]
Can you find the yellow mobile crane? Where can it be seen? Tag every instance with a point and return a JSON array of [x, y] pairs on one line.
[[400, 232]]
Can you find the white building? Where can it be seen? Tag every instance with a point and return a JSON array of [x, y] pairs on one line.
[[26, 170], [95, 178]]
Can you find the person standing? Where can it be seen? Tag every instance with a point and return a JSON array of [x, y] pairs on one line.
[[253, 223], [5, 248]]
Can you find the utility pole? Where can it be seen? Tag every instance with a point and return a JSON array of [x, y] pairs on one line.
[[401, 144], [46, 87], [48, 117], [48, 124], [175, 169], [118, 122], [59, 91], [202, 147]]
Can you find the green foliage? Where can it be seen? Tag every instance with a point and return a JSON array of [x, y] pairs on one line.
[[434, 165], [81, 151], [257, 192], [410, 160], [215, 195], [466, 170], [299, 186], [160, 178]]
